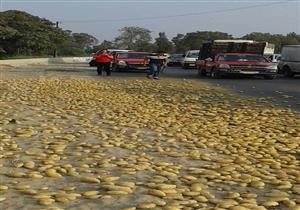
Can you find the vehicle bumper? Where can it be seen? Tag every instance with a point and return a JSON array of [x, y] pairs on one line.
[[189, 64], [247, 72], [173, 63], [133, 67]]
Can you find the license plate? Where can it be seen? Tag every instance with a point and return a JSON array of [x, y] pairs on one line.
[[249, 72], [192, 64]]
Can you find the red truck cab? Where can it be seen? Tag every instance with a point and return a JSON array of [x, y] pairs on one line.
[[237, 63], [131, 61], [223, 57]]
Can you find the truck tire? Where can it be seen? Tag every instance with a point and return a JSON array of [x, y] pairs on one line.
[[215, 74], [287, 72], [279, 70], [114, 67]]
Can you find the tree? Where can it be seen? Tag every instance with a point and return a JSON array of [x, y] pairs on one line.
[[132, 38], [162, 43], [179, 43], [104, 45], [84, 40], [79, 44], [278, 39], [25, 34], [194, 40]]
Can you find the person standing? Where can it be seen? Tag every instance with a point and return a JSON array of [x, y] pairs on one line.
[[103, 62], [156, 62]]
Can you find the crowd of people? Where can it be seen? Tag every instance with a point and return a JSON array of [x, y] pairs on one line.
[[157, 62]]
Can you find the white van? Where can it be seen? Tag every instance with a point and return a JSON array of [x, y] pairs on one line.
[[189, 59], [289, 63]]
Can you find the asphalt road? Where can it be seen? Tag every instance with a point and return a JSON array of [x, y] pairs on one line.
[[285, 92]]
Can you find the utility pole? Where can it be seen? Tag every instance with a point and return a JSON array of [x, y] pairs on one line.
[[55, 50]]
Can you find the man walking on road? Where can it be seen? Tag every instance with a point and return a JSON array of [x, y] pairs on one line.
[[156, 62], [103, 61]]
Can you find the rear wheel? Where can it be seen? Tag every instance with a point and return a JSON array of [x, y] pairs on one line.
[[215, 74], [287, 72]]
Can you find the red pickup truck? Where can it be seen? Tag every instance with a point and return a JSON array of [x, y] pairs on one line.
[[130, 61], [236, 63], [243, 57]]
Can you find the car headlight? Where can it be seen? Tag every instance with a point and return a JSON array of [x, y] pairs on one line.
[[122, 63], [224, 66], [272, 68]]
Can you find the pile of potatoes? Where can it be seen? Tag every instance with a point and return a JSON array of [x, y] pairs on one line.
[[138, 144]]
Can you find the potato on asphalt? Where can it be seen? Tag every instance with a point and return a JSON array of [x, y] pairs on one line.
[[171, 144]]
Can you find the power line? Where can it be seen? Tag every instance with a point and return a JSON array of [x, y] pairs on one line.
[[179, 15], [135, 1]]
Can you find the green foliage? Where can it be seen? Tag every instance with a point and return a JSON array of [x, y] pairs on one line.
[[278, 39], [72, 51], [162, 43], [24, 34], [133, 38], [194, 40], [83, 40], [104, 45]]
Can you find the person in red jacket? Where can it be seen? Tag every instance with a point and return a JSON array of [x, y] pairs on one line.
[[103, 61]]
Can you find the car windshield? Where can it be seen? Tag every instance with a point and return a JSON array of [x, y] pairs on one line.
[[245, 58], [132, 55], [192, 55], [176, 56]]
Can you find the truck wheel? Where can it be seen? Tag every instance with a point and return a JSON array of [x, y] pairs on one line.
[[215, 74], [279, 70], [287, 72], [269, 76], [114, 67]]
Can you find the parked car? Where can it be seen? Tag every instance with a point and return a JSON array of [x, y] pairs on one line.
[[189, 59], [289, 63], [237, 63], [130, 61], [175, 59], [112, 51]]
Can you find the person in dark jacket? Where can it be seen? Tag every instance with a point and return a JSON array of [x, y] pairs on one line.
[[103, 61]]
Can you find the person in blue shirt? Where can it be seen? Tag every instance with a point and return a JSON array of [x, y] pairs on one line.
[[156, 62]]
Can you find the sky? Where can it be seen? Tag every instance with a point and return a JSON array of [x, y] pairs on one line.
[[103, 18]]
